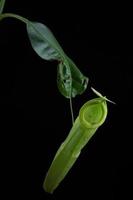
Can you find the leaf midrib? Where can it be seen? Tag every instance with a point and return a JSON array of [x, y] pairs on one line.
[[62, 54]]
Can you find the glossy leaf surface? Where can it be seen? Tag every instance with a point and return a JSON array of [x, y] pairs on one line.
[[68, 71], [70, 80], [44, 42]]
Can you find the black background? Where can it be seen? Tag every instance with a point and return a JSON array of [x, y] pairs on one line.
[[35, 118]]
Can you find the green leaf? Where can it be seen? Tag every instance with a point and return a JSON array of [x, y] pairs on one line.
[[2, 3], [70, 80], [64, 80], [79, 81], [44, 42]]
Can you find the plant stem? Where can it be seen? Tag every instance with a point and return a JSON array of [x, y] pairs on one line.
[[22, 19], [2, 4], [71, 109]]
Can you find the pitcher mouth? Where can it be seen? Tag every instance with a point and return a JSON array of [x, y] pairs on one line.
[[93, 113]]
